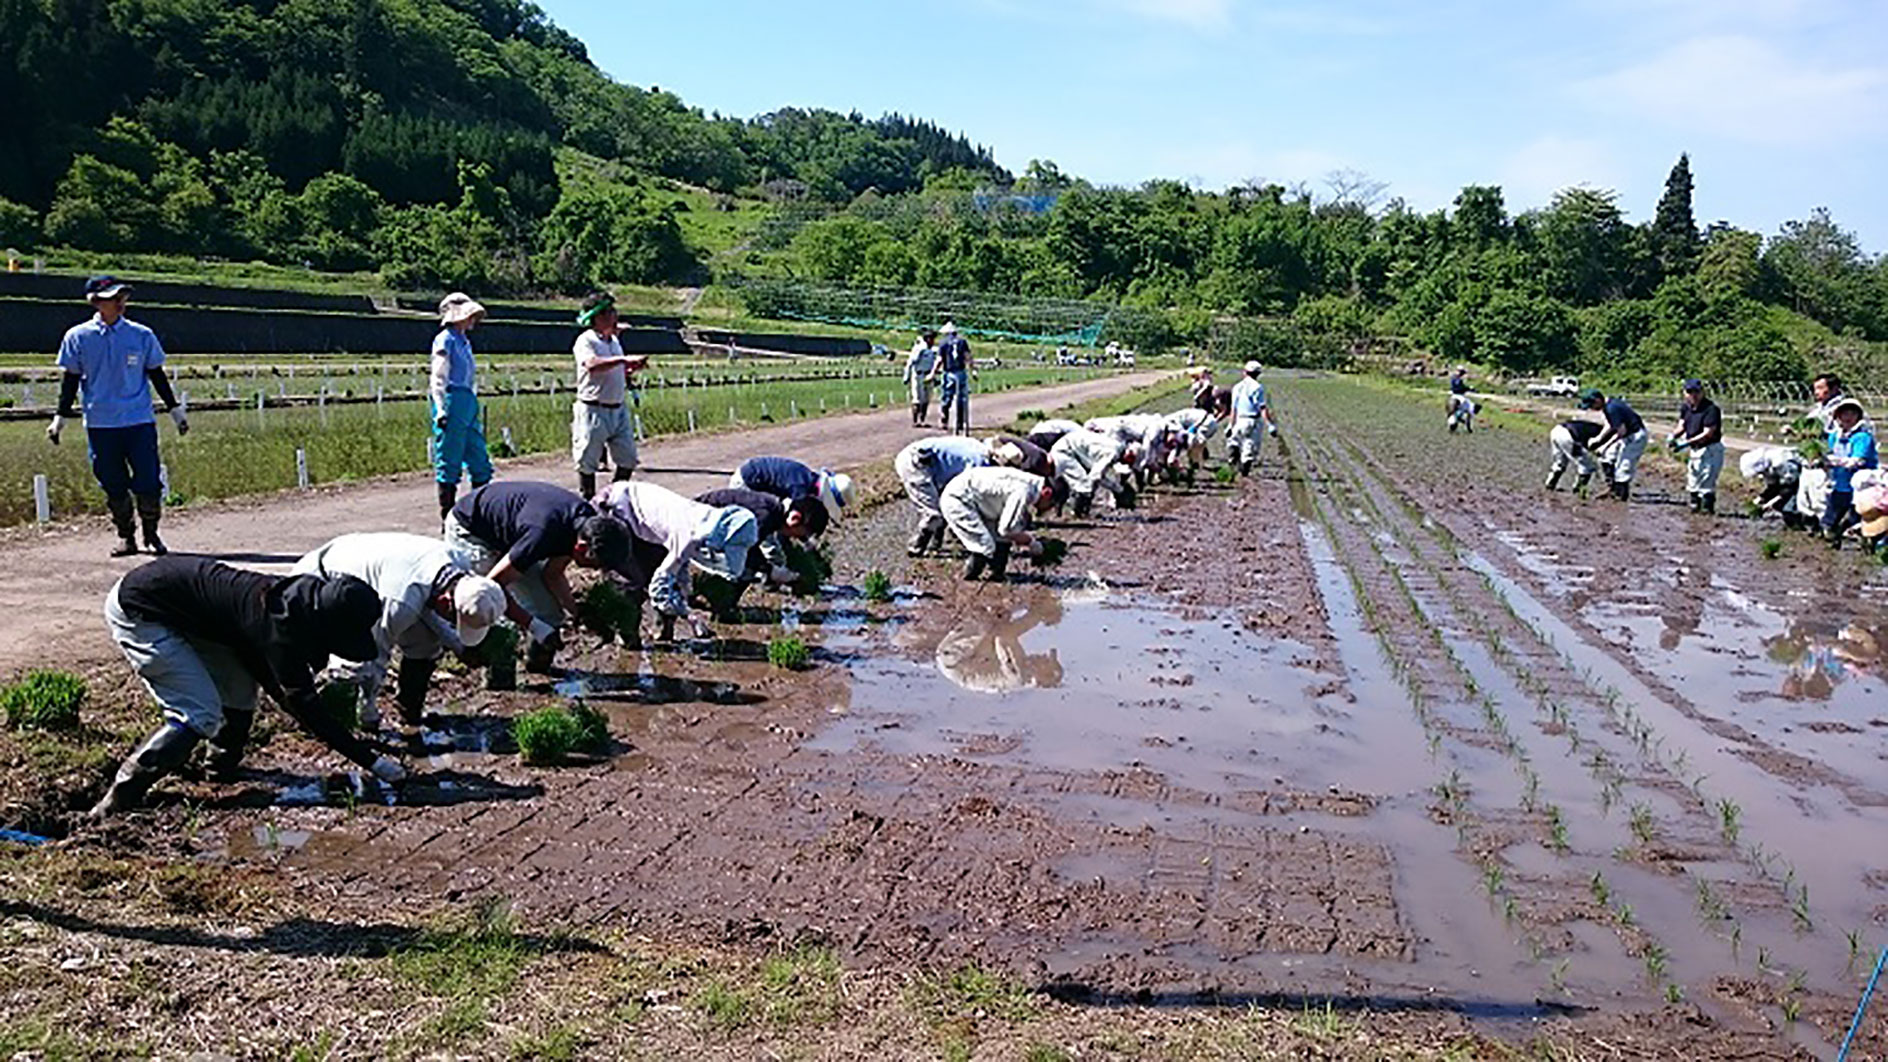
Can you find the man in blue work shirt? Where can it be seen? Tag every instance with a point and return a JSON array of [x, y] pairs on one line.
[[1249, 410], [1851, 448], [1623, 426], [458, 437], [954, 366], [115, 362]]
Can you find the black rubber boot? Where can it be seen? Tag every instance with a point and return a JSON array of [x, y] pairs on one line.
[[538, 656], [1124, 499], [150, 511], [1084, 504], [227, 748], [1580, 485], [162, 752], [1245, 469], [415, 677], [1622, 491], [917, 415], [448, 496], [973, 568], [920, 540], [1606, 471], [1553, 479], [1000, 563], [587, 485], [622, 474], [1708, 503], [121, 520]]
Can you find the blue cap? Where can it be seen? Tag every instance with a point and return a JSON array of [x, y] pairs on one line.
[[105, 286], [1694, 385]]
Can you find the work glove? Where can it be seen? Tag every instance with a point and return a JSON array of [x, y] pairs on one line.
[[181, 419], [1271, 429], [1036, 547], [52, 430], [388, 770], [541, 632], [701, 630]]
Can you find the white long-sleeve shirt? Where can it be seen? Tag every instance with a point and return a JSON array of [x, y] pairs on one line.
[[1084, 457], [405, 571], [1003, 497]]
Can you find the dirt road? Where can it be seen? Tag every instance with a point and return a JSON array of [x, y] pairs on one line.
[[51, 583]]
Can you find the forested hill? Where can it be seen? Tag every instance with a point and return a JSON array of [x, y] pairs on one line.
[[357, 133]]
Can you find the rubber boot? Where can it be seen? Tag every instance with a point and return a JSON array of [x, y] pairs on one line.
[[1582, 486], [973, 568], [538, 656], [162, 752], [1084, 504], [414, 677], [1622, 491], [121, 519], [150, 511], [1708, 503], [1553, 479], [622, 474], [1245, 469], [1606, 471], [1000, 563], [587, 485], [920, 539], [1124, 499], [917, 417], [448, 496], [229, 744]]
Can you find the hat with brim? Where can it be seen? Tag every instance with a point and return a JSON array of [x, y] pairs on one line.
[[100, 288], [1871, 504], [1694, 386], [1849, 403], [835, 492], [458, 308], [1252, 368], [949, 329], [478, 604]]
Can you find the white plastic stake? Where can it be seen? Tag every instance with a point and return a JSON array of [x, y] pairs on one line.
[[793, 406], [691, 421], [763, 411], [26, 396], [232, 390], [42, 500], [301, 468], [731, 417], [639, 434], [505, 434]]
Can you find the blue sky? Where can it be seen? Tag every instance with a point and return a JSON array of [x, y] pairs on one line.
[[1783, 104]]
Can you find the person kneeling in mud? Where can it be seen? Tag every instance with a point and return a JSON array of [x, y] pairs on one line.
[[1570, 444], [1086, 460], [1778, 471], [778, 522], [926, 467], [989, 510], [207, 639], [431, 604], [716, 539]]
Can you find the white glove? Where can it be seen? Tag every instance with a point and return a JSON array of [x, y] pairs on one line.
[[181, 419], [1271, 429], [52, 430], [702, 631], [388, 770], [782, 575], [540, 631]]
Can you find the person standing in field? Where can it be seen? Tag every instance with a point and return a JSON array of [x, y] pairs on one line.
[[918, 368], [1625, 427], [600, 418], [115, 363], [1851, 448], [1700, 432], [1249, 409], [458, 436], [954, 366]]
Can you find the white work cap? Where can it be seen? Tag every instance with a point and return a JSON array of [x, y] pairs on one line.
[[949, 329], [1253, 368], [479, 604], [835, 492]]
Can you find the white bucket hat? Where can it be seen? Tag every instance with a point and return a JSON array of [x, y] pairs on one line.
[[1253, 368], [949, 329], [458, 307], [835, 492], [479, 604]]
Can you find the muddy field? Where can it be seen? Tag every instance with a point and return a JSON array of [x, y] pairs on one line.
[[1419, 761]]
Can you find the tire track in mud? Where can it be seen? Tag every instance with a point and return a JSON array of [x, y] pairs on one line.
[[1581, 784]]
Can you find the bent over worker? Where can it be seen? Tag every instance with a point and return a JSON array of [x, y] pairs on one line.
[[525, 536], [431, 603], [777, 521], [1625, 427], [1571, 443], [926, 467], [1249, 409], [458, 433], [714, 538], [989, 510], [207, 638], [1086, 460], [115, 363], [1700, 433], [600, 418]]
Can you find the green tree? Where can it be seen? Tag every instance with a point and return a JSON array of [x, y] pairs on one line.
[[19, 225], [612, 233], [1674, 231], [1481, 218], [1585, 246]]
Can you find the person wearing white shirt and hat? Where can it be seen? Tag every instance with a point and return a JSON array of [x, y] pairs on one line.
[[600, 418], [431, 601], [918, 366], [458, 436], [1250, 411], [713, 538], [989, 510]]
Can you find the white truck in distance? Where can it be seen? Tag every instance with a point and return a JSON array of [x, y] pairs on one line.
[[1558, 387]]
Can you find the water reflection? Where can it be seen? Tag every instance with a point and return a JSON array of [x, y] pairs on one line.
[[984, 653], [1821, 657]]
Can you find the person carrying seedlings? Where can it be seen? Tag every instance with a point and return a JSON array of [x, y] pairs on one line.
[[919, 364], [525, 536], [954, 368], [207, 638], [715, 538], [1571, 443], [1778, 471], [989, 511], [1850, 448], [926, 467], [430, 604], [600, 418], [114, 363], [1013, 452], [1624, 427], [1046, 432], [458, 433], [1086, 460], [1249, 409], [777, 521], [1700, 433]]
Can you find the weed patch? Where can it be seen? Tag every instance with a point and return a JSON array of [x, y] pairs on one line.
[[44, 700], [789, 653]]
